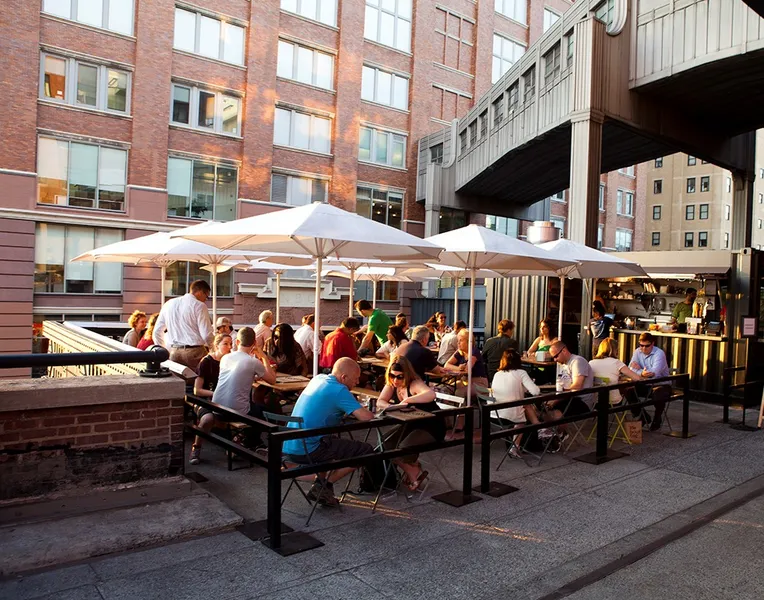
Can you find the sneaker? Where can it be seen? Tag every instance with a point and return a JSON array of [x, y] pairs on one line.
[[195, 452], [564, 436], [514, 453], [323, 493]]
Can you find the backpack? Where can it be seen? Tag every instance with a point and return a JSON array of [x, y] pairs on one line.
[[372, 475]]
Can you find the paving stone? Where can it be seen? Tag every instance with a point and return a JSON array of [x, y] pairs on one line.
[[47, 583], [340, 586]]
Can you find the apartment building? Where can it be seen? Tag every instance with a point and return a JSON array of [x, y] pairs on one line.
[[125, 117]]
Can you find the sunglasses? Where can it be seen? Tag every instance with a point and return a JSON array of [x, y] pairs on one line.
[[554, 356], [645, 345], [399, 377]]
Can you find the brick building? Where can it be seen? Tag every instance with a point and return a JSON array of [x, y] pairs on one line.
[[124, 117]]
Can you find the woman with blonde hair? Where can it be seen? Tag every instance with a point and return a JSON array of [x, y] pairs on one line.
[[147, 340], [607, 369], [404, 387], [137, 322]]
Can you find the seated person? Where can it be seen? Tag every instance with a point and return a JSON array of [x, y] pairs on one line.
[[450, 343], [339, 344], [649, 361], [305, 337], [495, 347], [395, 337], [224, 325], [377, 326], [431, 325], [402, 322], [238, 371], [148, 338], [284, 350], [422, 360], [403, 386], [209, 366], [441, 327], [545, 338], [458, 364], [576, 374], [137, 322], [608, 369], [510, 383], [325, 401]]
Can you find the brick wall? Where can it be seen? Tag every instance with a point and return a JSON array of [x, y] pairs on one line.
[[57, 434]]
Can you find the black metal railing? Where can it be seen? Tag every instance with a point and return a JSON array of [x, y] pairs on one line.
[[729, 387], [153, 357]]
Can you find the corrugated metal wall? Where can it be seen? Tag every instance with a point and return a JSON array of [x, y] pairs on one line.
[[520, 299]]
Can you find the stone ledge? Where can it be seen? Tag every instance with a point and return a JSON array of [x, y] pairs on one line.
[[38, 394]]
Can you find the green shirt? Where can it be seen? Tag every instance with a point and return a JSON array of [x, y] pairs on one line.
[[681, 311], [379, 323]]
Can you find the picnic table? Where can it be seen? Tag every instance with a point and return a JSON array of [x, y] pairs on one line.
[[286, 383], [373, 361]]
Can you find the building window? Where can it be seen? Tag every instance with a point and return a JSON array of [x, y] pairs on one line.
[[570, 43], [380, 205], [305, 65], [84, 84], [213, 38], [601, 199], [690, 185], [656, 241], [181, 274], [627, 171], [297, 191], [623, 240], [729, 185], [559, 222], [436, 154], [689, 239], [323, 11], [462, 141], [498, 110], [600, 236], [691, 161], [550, 18], [703, 211], [201, 190], [702, 239], [726, 240], [206, 110], [483, 121], [657, 213], [727, 211], [450, 219], [552, 66], [300, 130], [558, 197], [514, 9], [658, 162], [625, 203], [529, 85], [758, 224], [455, 35], [761, 198], [513, 96], [689, 212], [604, 11], [705, 184], [81, 175], [505, 54], [382, 147], [658, 186], [57, 245], [761, 173], [388, 22], [385, 88], [473, 130], [114, 15]]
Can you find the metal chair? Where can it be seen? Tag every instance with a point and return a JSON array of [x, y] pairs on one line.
[[484, 400]]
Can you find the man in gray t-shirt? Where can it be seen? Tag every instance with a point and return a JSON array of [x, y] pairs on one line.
[[576, 374]]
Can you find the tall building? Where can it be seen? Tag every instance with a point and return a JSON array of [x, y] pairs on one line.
[[132, 116]]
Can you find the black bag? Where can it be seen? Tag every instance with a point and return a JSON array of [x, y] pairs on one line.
[[373, 474]]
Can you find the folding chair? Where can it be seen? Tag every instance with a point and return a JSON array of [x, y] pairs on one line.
[[619, 419], [485, 399], [282, 421], [445, 402]]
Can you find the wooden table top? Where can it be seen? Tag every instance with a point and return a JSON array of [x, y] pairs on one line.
[[532, 361], [286, 383]]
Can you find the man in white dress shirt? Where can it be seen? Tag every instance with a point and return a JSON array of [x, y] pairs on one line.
[[186, 321], [304, 337], [263, 329]]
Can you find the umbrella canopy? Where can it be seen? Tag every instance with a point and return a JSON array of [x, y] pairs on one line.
[[366, 273], [320, 231], [474, 247]]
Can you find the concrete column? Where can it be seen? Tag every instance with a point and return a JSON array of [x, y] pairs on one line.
[[742, 209]]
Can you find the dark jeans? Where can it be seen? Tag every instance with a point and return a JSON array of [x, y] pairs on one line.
[[660, 393]]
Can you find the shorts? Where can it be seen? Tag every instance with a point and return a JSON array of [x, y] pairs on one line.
[[333, 448], [572, 406]]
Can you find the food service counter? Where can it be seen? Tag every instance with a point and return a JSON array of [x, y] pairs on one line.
[[702, 356]]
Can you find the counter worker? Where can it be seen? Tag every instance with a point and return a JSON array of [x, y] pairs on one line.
[[684, 309]]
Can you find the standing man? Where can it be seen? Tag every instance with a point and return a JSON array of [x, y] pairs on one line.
[[495, 347], [263, 329], [304, 337], [683, 309], [187, 323], [378, 324], [650, 362], [339, 344]]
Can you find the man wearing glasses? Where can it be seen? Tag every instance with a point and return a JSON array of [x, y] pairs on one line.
[[650, 362], [576, 374]]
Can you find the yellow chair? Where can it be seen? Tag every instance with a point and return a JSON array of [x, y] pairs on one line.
[[618, 419]]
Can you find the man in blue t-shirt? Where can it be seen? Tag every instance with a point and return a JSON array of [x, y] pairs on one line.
[[324, 403]]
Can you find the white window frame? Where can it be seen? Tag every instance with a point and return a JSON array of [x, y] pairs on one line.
[[376, 8], [297, 7], [505, 62], [392, 137], [550, 17], [106, 6], [71, 66], [193, 109], [559, 222], [728, 210], [313, 139], [313, 70], [659, 162], [96, 200], [292, 181], [621, 235], [517, 10], [726, 240], [221, 42], [625, 203], [552, 64], [601, 198], [374, 73], [215, 203], [600, 236], [628, 171]]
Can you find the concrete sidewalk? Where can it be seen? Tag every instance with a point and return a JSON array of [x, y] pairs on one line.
[[561, 535]]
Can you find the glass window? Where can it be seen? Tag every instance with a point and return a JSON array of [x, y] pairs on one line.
[[498, 110], [705, 184], [559, 222], [87, 78], [115, 15], [233, 44], [83, 175], [364, 144], [729, 185], [201, 190], [689, 212], [230, 115], [206, 115], [691, 161], [703, 211], [627, 171], [690, 185], [552, 67], [380, 205], [116, 90], [60, 8], [623, 240], [389, 22], [702, 239], [208, 36], [436, 154], [657, 213], [54, 78], [112, 175], [726, 240], [301, 130], [121, 16], [180, 275], [323, 11], [384, 88], [656, 241], [658, 162], [529, 84], [550, 18], [658, 186], [605, 11], [600, 236], [185, 30], [505, 53], [727, 211], [52, 171], [56, 245], [450, 219], [213, 111], [181, 104], [94, 86], [389, 148], [514, 9], [601, 199], [298, 191], [90, 12], [305, 65]]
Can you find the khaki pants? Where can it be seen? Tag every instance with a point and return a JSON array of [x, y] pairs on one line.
[[189, 357]]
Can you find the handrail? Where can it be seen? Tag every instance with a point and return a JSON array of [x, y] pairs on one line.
[[728, 375], [153, 358]]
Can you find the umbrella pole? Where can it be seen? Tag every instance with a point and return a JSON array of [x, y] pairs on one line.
[[278, 296], [374, 293], [214, 294], [559, 319], [162, 275], [456, 298], [469, 346], [317, 315], [352, 286]]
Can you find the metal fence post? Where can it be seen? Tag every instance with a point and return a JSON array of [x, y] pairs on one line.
[[274, 491], [686, 407], [485, 449], [603, 404], [469, 430], [726, 392]]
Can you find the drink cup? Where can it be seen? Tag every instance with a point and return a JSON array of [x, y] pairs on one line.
[[560, 386]]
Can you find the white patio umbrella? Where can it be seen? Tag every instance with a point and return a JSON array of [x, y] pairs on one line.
[[163, 250], [366, 273], [474, 247], [590, 264], [320, 231]]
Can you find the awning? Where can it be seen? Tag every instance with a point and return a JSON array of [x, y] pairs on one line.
[[682, 264]]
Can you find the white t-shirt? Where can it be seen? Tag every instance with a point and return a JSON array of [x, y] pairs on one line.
[[511, 385], [386, 349], [606, 372], [304, 337], [577, 366], [238, 370]]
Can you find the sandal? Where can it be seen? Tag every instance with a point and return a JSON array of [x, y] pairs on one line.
[[419, 480]]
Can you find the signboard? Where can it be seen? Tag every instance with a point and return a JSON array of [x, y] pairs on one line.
[[749, 327]]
